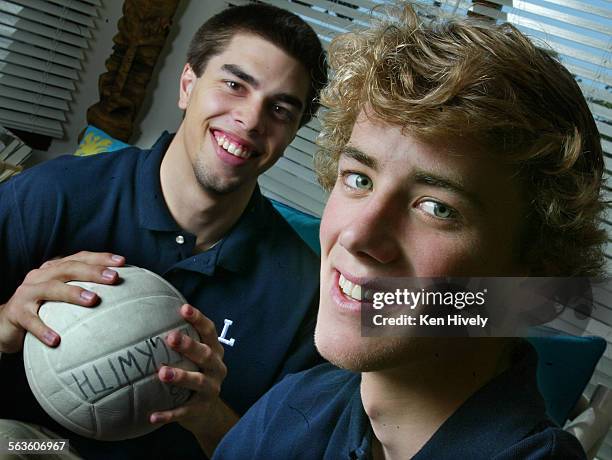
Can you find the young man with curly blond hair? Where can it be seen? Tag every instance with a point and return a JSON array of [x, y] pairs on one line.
[[452, 148]]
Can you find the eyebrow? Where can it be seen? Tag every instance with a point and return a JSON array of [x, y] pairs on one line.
[[238, 72], [361, 157], [427, 178], [420, 176]]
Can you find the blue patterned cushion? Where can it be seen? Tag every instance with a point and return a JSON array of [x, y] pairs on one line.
[[97, 141]]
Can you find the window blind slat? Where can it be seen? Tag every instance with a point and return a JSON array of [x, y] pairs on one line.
[[311, 190], [339, 9], [291, 196], [25, 122], [554, 31], [304, 145], [32, 39], [592, 92], [584, 7], [298, 170], [298, 157], [604, 128], [32, 109], [35, 98], [43, 18], [601, 111], [308, 133], [35, 87], [58, 11], [306, 12], [580, 54], [580, 71], [77, 6], [39, 53], [27, 61], [35, 75], [39, 29], [519, 6]]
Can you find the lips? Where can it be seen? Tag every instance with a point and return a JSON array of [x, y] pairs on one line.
[[349, 293], [233, 145]]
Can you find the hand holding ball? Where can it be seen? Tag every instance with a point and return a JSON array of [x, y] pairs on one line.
[[101, 381]]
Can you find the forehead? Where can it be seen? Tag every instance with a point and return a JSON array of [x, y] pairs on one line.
[[268, 63], [402, 153]]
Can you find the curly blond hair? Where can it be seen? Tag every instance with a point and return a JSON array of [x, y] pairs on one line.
[[491, 85]]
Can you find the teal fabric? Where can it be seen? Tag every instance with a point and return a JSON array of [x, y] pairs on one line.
[[565, 366], [565, 363], [304, 224]]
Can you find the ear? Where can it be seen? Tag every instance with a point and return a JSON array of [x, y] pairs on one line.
[[187, 82]]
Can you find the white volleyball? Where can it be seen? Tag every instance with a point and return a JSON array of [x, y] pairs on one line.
[[101, 381]]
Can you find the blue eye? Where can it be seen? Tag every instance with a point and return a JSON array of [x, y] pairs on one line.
[[437, 209], [358, 181]]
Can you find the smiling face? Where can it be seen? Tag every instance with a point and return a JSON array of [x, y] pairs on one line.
[[241, 113], [401, 208]]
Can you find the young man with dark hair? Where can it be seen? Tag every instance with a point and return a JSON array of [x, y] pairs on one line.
[[188, 209], [451, 148]]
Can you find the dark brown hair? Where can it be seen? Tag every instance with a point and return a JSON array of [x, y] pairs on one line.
[[280, 27]]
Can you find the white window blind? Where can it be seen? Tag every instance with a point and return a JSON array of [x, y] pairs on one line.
[[41, 53]]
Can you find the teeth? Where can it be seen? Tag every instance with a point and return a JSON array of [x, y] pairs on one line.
[[350, 289], [356, 292], [232, 148]]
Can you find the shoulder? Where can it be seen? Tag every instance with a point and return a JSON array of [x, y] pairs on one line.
[[308, 402], [279, 244], [69, 171], [322, 378], [303, 391], [545, 442]]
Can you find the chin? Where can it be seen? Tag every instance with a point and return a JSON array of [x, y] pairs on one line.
[[363, 354]]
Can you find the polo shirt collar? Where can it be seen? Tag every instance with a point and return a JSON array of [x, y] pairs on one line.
[[236, 250], [501, 413], [153, 213]]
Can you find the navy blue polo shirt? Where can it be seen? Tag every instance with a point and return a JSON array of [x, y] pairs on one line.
[[260, 282], [318, 414]]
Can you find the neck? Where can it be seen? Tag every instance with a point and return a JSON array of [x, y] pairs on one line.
[[205, 214], [406, 405]]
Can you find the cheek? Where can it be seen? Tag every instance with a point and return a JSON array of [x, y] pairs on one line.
[[331, 222], [201, 108], [441, 254]]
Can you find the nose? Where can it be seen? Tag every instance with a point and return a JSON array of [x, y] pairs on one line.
[[250, 115], [373, 233]]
